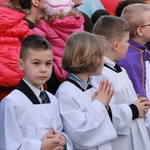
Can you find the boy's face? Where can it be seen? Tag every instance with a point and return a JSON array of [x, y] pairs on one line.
[[37, 67], [144, 30], [122, 47]]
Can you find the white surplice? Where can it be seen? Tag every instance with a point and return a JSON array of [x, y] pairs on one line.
[[23, 124], [147, 63], [85, 121], [147, 118], [132, 134]]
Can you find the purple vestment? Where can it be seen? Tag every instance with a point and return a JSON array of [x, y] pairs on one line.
[[134, 63]]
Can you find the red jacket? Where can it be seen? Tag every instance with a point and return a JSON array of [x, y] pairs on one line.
[[13, 29]]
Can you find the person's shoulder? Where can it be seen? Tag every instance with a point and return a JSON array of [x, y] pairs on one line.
[[113, 76], [14, 97], [67, 88]]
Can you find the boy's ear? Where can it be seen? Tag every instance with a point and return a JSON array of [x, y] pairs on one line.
[[35, 3], [21, 64], [139, 31], [115, 45]]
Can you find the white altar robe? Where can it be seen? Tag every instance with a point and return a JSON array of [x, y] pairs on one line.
[[23, 124], [132, 134], [85, 121]]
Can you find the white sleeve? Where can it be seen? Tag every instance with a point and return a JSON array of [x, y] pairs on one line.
[[121, 118], [59, 126], [147, 121], [147, 63], [121, 113], [87, 126], [10, 133]]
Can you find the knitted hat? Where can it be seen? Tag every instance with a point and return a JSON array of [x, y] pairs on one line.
[[58, 6]]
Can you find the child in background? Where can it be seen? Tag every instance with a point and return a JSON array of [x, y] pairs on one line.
[[127, 109], [32, 111], [123, 4], [57, 26], [84, 104], [13, 29], [33, 10], [137, 59]]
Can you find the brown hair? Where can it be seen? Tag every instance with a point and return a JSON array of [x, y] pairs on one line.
[[112, 27], [33, 42], [83, 52]]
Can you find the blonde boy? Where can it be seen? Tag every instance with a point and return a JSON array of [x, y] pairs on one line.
[[127, 109]]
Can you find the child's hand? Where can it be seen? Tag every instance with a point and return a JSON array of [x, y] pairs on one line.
[[142, 105], [104, 93], [61, 139], [53, 141]]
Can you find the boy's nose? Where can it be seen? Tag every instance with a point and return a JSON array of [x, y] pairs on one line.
[[43, 68]]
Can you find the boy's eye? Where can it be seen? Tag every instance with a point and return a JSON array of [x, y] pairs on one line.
[[35, 63], [49, 63]]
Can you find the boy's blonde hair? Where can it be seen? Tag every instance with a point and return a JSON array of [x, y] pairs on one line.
[[112, 27], [83, 52], [134, 15]]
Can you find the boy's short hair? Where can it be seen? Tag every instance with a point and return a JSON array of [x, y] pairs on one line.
[[112, 27], [134, 15], [83, 52], [25, 4], [33, 42]]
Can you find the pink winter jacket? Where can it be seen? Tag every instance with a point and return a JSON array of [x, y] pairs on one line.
[[57, 33]]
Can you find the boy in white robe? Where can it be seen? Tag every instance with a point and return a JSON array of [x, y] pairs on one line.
[[127, 108], [84, 104], [29, 121]]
